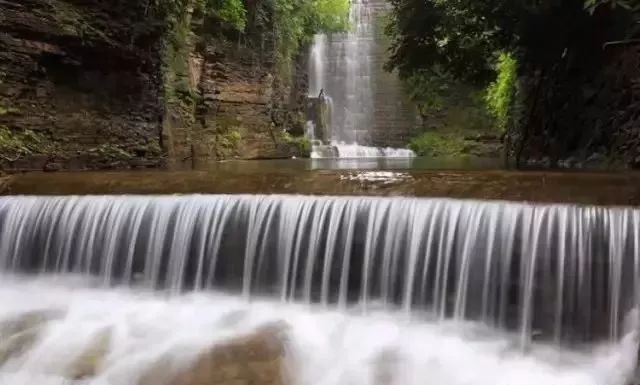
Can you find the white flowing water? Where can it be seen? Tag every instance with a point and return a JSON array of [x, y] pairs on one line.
[[511, 293], [353, 151], [342, 68], [323, 347]]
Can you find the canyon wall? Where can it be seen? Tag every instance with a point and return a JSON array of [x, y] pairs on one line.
[[78, 88], [91, 85]]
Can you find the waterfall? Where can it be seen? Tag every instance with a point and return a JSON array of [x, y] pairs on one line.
[[346, 70], [368, 291], [561, 273]]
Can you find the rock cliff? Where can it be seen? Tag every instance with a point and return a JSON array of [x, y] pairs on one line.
[[87, 85]]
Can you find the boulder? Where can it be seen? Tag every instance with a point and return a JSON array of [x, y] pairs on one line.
[[255, 359]]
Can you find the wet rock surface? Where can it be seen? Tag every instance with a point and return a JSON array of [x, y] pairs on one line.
[[256, 359], [82, 79]]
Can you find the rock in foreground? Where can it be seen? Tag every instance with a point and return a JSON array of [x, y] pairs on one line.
[[256, 359]]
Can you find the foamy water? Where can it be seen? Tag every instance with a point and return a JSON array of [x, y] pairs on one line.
[[356, 151], [324, 347]]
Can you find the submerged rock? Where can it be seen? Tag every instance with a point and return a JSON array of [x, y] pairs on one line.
[[89, 362], [19, 334], [255, 359]]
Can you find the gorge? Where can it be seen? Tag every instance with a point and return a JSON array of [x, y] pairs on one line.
[[260, 192], [433, 279]]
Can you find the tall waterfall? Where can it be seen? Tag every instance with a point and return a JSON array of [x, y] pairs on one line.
[[346, 70]]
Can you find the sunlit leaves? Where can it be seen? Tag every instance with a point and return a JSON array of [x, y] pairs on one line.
[[232, 12], [501, 92]]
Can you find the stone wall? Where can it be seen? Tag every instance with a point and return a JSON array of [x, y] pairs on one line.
[[395, 116]]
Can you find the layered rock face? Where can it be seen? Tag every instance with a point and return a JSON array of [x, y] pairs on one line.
[[82, 79], [83, 85], [242, 110]]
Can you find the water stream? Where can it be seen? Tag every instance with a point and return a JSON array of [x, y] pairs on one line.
[[346, 73], [515, 293]]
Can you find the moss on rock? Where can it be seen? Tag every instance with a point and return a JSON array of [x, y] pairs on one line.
[[298, 145], [433, 143]]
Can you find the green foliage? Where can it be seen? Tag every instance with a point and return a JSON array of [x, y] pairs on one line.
[[329, 15], [15, 144], [296, 21], [501, 93], [432, 143], [230, 139], [301, 144], [462, 36], [446, 103], [232, 12], [555, 46], [454, 35], [428, 89]]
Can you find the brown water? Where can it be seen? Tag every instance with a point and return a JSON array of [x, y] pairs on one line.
[[380, 164], [340, 177]]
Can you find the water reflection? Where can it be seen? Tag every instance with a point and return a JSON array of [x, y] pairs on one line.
[[381, 177], [382, 164]]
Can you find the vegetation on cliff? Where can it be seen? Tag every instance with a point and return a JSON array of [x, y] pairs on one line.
[[551, 69], [269, 33], [15, 144], [502, 92], [139, 83]]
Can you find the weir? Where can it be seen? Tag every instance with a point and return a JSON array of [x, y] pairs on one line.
[[567, 274]]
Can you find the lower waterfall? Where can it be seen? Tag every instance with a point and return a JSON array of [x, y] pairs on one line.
[[514, 293]]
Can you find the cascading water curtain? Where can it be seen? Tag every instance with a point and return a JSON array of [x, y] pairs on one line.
[[557, 272]]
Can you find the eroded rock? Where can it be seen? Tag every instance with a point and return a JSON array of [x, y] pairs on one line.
[[255, 359]]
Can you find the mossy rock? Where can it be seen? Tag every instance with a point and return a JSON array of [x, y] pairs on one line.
[[435, 144], [298, 145]]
